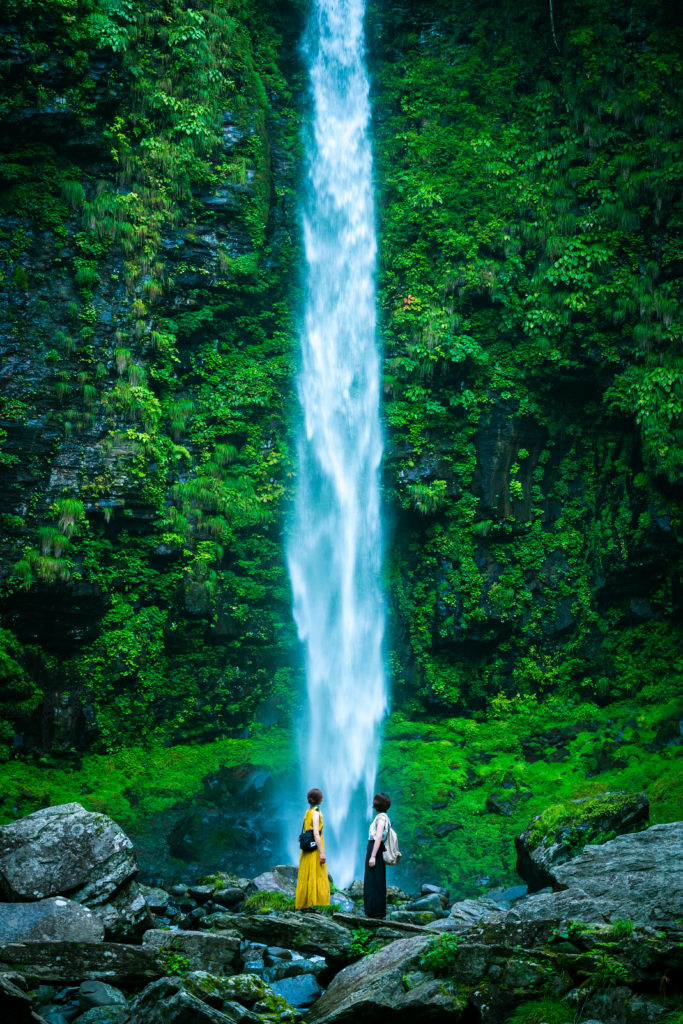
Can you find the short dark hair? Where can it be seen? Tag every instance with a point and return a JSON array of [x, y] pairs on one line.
[[314, 796], [382, 802]]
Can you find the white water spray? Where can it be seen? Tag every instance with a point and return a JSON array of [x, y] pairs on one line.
[[334, 551]]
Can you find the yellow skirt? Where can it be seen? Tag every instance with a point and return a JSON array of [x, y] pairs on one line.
[[312, 884]]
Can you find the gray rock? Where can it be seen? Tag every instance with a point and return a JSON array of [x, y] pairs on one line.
[[346, 905], [244, 989], [104, 1015], [98, 993], [637, 876], [469, 914], [281, 879], [201, 893], [157, 899], [51, 919], [58, 962], [356, 889], [415, 917], [373, 988], [166, 1001], [428, 888], [204, 951], [287, 963], [220, 920], [538, 855], [125, 914], [300, 991], [309, 933], [431, 902], [228, 890], [64, 849]]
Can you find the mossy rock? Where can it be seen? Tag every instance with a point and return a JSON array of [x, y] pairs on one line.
[[563, 830]]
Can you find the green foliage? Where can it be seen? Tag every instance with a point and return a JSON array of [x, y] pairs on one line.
[[363, 943], [137, 782], [532, 344], [540, 1011], [264, 902], [441, 956], [173, 963], [537, 757], [621, 929]]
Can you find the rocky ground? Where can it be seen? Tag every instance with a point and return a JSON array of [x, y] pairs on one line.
[[81, 942]]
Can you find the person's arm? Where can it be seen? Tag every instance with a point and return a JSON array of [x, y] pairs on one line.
[[316, 836], [378, 840]]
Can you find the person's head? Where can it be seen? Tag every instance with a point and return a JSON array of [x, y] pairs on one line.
[[382, 802], [314, 797]]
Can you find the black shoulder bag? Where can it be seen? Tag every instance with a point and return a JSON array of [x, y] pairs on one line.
[[306, 841]]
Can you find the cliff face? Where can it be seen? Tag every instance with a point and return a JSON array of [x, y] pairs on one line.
[[147, 343], [529, 186], [531, 279]]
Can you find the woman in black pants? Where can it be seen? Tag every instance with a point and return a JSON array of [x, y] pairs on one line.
[[375, 881]]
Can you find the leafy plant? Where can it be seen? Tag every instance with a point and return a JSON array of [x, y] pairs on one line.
[[441, 956]]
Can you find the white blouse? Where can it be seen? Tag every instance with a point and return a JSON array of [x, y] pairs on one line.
[[372, 834]]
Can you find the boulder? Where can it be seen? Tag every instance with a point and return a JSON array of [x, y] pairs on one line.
[[226, 890], [300, 991], [48, 920], [430, 901], [64, 849], [98, 993], [59, 962], [201, 998], [68, 850], [414, 917], [375, 988], [166, 1001], [468, 914], [157, 899], [637, 877], [282, 878], [114, 1014], [197, 951], [245, 989], [561, 832], [307, 933], [125, 914]]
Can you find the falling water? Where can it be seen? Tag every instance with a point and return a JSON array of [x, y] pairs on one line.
[[334, 552]]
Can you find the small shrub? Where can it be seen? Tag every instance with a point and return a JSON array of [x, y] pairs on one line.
[[622, 929], [173, 963], [441, 955], [363, 943]]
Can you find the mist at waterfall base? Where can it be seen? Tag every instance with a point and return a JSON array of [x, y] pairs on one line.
[[335, 545]]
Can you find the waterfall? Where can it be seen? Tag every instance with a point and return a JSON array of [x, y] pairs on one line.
[[335, 545]]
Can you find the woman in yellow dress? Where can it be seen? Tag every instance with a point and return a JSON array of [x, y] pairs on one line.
[[312, 884]]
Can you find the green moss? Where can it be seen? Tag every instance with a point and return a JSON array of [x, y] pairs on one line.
[[439, 774], [133, 784], [537, 1011], [582, 818]]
